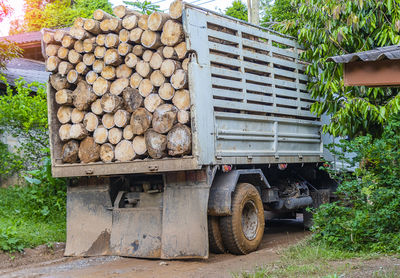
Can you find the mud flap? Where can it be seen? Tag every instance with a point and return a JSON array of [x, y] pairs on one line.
[[88, 218]]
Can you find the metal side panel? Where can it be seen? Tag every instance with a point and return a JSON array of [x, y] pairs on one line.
[[184, 228]]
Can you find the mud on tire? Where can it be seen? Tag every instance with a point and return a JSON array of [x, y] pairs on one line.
[[214, 236]]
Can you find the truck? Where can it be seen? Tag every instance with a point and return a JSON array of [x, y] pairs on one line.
[[256, 147]]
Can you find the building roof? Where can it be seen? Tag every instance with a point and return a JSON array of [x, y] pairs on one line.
[[30, 70], [24, 37], [381, 53]]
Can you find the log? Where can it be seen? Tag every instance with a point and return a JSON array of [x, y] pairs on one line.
[[157, 20], [183, 116], [112, 58], [84, 96], [108, 120], [92, 26], [124, 48], [64, 132], [172, 33], [64, 67], [70, 152], [166, 91], [101, 86], [68, 41], [64, 97], [104, 25], [114, 135], [152, 101], [151, 39], [129, 22], [124, 35], [122, 118], [185, 64], [58, 35], [169, 53], [179, 79], [99, 52], [79, 33], [98, 66], [91, 77], [118, 86], [62, 53], [131, 60], [132, 99], [136, 35], [101, 39], [81, 68], [73, 77], [123, 71], [114, 25], [112, 40], [124, 151], [143, 68], [108, 73], [147, 55], [168, 67], [100, 135], [179, 140], [78, 46], [139, 145], [142, 22], [156, 61], [181, 50], [176, 9], [122, 11], [96, 108], [140, 121], [91, 121], [138, 50], [181, 99], [77, 116], [145, 87], [111, 103], [107, 153], [164, 118], [52, 50], [79, 22], [74, 57], [101, 15], [135, 80], [88, 59], [89, 45], [127, 133], [78, 132], [59, 82], [156, 144], [48, 37], [157, 78], [64, 114], [89, 151], [52, 63]]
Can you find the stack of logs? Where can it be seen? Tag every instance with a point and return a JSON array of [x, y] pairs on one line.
[[121, 86]]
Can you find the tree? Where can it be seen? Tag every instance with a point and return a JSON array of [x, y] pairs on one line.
[[145, 7], [277, 11], [5, 9], [237, 10], [327, 28]]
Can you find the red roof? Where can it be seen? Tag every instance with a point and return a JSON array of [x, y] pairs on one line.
[[24, 37]]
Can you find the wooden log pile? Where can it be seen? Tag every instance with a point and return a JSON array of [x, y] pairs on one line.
[[121, 86]]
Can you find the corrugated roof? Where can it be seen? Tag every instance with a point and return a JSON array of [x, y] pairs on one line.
[[24, 37], [388, 52]]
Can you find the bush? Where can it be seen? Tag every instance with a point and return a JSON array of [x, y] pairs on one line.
[[367, 215]]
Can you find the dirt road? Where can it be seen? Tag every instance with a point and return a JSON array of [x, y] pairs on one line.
[[278, 235]]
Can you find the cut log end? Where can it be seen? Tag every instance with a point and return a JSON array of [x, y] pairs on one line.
[[89, 151]]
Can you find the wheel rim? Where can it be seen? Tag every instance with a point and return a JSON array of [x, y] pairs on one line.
[[250, 220]]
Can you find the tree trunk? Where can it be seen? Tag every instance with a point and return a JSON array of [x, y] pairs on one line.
[[129, 22], [73, 77], [74, 57], [91, 121], [77, 116], [135, 80], [101, 15], [101, 86], [70, 152], [172, 33], [169, 53], [183, 116], [89, 45], [179, 79], [64, 132], [152, 101], [185, 64], [147, 55], [52, 50], [166, 91], [124, 35], [107, 153], [84, 96], [157, 78], [58, 35], [168, 67], [100, 135], [79, 22], [181, 50], [132, 99], [143, 20], [99, 52], [128, 133], [52, 63], [108, 73], [68, 41], [124, 48], [48, 37], [64, 114], [156, 61], [131, 60], [79, 33], [118, 86], [89, 151], [91, 77], [181, 99], [111, 103], [143, 68], [124, 151], [164, 118], [122, 118], [136, 35], [101, 39], [121, 11], [64, 67], [151, 39], [145, 87], [64, 96], [115, 25], [96, 108], [98, 66], [92, 26], [112, 40], [140, 121], [123, 71], [114, 135], [157, 20], [176, 9], [138, 50], [81, 68], [108, 120], [112, 58], [62, 53], [88, 59], [156, 144], [78, 131], [59, 82], [78, 46], [179, 140], [139, 145]]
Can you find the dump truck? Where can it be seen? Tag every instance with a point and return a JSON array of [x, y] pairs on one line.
[[254, 147]]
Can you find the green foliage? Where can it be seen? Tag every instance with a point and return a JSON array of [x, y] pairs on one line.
[[145, 7], [8, 50], [10, 163], [237, 10], [24, 116], [277, 11], [367, 215], [329, 28], [33, 214]]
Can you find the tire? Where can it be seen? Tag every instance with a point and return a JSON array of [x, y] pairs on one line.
[[239, 236], [214, 236]]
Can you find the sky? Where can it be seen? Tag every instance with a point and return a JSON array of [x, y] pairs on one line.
[[17, 5]]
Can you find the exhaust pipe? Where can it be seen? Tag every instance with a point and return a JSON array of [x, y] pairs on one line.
[[292, 203]]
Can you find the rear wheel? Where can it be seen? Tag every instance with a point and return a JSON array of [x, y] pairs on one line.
[[214, 236], [242, 232]]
